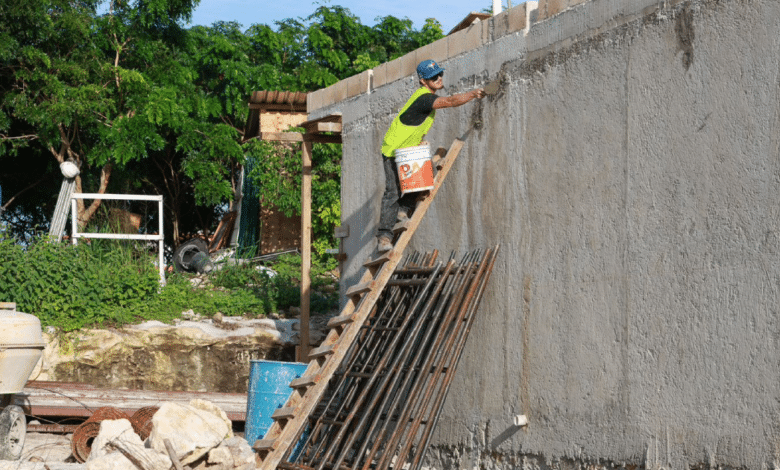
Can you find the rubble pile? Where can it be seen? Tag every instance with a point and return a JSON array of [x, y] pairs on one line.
[[198, 435], [195, 436]]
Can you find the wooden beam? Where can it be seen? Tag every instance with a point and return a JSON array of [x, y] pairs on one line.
[[305, 250], [288, 107], [323, 127], [298, 137], [335, 117]]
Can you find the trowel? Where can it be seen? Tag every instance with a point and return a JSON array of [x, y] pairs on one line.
[[492, 87]]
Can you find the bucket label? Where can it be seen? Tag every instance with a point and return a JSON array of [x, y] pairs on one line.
[[415, 176], [415, 170]]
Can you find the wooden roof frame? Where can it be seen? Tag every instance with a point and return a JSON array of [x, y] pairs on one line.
[[326, 129]]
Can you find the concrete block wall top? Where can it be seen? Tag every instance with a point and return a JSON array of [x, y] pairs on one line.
[[513, 20]]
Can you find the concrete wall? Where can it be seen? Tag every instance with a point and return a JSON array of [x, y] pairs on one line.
[[630, 169]]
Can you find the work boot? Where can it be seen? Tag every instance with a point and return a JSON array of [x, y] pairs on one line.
[[403, 216], [384, 244]]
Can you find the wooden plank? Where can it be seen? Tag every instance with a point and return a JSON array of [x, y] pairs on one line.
[[335, 117], [340, 320], [264, 444], [43, 398], [358, 289], [377, 261], [305, 344], [322, 351], [402, 226], [324, 127], [298, 137], [302, 382], [283, 413], [306, 403]]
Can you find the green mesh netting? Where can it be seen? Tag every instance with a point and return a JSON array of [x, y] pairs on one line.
[[249, 228]]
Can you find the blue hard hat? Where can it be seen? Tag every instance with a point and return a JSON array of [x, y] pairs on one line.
[[428, 69]]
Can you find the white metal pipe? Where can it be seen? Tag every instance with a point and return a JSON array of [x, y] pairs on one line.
[[74, 229], [119, 236], [122, 197], [162, 238]]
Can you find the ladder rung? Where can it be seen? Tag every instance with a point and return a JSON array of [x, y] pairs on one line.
[[302, 382], [284, 413], [402, 226], [340, 320], [359, 289], [321, 351], [378, 261], [264, 444]]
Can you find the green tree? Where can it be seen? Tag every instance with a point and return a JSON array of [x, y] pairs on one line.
[[143, 105], [78, 83]]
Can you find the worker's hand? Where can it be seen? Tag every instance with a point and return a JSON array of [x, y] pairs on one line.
[[479, 93]]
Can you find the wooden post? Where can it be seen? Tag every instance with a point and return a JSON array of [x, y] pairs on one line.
[[305, 251]]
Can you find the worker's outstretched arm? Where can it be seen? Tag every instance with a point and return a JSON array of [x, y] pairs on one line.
[[458, 99]]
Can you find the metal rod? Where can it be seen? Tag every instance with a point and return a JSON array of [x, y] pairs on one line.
[[436, 411]]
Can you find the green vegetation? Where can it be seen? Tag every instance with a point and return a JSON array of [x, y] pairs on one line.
[[144, 105], [111, 283]]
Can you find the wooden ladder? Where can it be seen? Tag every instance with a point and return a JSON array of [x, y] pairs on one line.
[[290, 420]]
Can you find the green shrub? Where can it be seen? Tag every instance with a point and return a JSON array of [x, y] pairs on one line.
[[70, 287], [113, 283]]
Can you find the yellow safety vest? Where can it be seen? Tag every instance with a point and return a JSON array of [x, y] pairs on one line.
[[400, 135]]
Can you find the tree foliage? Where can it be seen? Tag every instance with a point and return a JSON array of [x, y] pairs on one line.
[[143, 104]]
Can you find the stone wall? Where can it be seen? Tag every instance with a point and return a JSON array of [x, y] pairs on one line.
[[629, 168]]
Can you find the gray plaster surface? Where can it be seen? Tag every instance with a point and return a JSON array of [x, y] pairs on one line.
[[630, 170]]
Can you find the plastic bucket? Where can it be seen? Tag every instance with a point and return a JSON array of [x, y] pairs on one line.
[[269, 389], [415, 170]]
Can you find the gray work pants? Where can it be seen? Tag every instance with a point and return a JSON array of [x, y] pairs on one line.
[[392, 201]]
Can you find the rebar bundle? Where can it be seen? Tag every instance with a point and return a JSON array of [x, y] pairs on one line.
[[381, 406]]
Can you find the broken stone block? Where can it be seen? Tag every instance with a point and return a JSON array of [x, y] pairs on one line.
[[193, 431], [110, 430], [209, 407], [118, 447], [241, 451]]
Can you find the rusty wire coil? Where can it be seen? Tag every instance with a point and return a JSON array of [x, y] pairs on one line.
[[85, 433], [142, 421]]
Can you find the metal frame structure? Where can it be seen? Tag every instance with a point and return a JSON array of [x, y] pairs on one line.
[[383, 403], [121, 236]]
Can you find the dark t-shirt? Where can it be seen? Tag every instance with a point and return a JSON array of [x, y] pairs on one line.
[[419, 110]]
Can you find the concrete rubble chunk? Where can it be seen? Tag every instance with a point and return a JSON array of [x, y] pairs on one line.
[[241, 450], [192, 429], [118, 447]]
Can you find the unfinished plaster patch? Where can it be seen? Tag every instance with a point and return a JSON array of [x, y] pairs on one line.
[[685, 35]]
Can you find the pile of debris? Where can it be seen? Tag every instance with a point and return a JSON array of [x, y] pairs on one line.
[[198, 435], [195, 436]]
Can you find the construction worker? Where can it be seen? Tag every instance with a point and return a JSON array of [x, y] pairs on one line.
[[408, 130]]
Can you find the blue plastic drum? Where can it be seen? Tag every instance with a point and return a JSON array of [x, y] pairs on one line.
[[269, 389]]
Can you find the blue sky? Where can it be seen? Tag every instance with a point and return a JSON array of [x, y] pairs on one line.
[[245, 12]]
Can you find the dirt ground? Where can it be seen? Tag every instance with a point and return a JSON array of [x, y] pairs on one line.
[[46, 447]]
